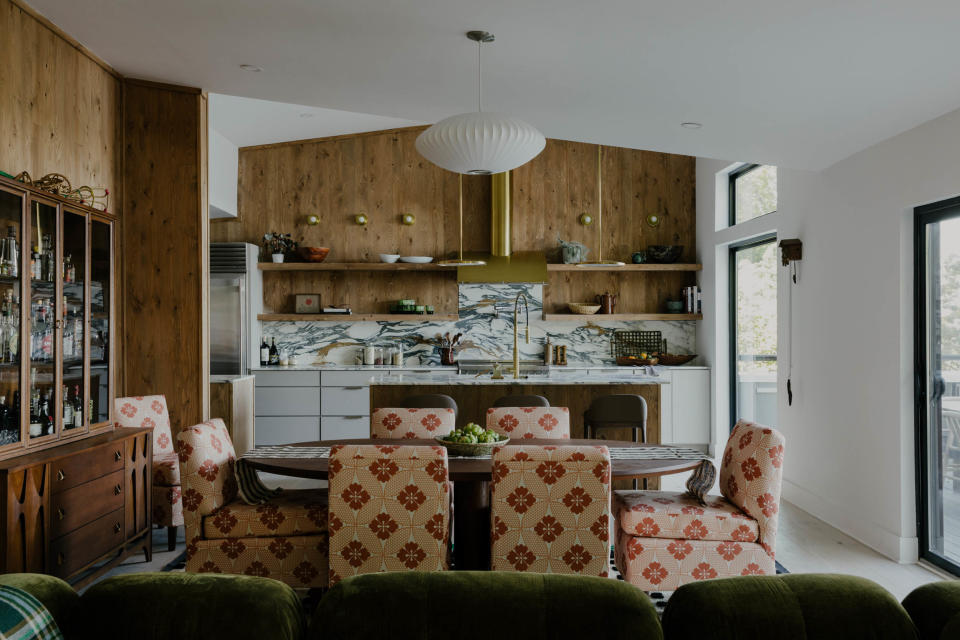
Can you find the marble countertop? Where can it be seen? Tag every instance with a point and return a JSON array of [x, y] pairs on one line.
[[555, 378], [374, 369]]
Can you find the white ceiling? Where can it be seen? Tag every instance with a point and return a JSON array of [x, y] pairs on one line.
[[800, 84], [246, 121]]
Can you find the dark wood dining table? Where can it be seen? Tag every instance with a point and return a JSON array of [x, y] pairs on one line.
[[471, 477]]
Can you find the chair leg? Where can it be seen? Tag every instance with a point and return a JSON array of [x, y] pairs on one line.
[[171, 538]]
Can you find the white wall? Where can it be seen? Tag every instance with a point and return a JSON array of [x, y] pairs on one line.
[[850, 452], [223, 161]]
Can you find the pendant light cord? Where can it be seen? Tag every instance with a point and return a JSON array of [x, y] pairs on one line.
[[599, 203], [460, 188], [479, 86]]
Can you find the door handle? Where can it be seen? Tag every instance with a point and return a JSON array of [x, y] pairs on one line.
[[116, 527], [60, 559], [353, 388], [117, 489], [60, 513], [117, 455], [354, 417], [60, 475]]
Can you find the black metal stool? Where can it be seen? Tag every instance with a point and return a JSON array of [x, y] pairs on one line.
[[617, 411], [430, 401], [521, 401]]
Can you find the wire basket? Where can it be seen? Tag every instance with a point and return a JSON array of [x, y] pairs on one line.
[[633, 343]]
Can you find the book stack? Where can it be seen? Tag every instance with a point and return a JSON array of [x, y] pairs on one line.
[[693, 299], [338, 310]]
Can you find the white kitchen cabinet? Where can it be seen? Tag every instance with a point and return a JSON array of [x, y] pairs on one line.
[[345, 405], [685, 407], [345, 401], [285, 429], [287, 401], [345, 427]]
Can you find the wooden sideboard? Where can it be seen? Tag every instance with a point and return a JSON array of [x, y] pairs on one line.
[[77, 510]]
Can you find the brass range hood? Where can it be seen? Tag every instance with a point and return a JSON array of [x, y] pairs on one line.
[[503, 265]]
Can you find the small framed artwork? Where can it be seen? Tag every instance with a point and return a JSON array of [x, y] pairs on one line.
[[308, 303]]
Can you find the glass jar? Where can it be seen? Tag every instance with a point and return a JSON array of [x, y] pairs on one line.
[[369, 354]]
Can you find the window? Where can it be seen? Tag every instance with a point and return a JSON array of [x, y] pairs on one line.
[[753, 192]]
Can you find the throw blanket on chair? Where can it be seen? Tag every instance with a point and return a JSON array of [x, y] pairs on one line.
[[701, 481], [23, 617], [250, 488]]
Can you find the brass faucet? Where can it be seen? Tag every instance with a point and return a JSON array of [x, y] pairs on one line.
[[516, 338]]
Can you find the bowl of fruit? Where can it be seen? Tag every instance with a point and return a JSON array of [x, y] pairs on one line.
[[472, 440]]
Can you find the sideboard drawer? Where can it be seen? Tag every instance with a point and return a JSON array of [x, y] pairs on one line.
[[345, 401], [79, 548], [345, 428], [287, 401], [287, 378], [83, 467], [84, 503]]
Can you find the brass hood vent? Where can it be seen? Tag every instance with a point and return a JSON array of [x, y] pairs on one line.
[[503, 265]]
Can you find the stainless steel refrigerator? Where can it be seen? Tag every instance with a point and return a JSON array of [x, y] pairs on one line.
[[236, 299]]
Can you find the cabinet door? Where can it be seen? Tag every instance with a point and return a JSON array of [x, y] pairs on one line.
[[691, 406], [101, 391], [73, 335], [45, 312], [11, 267]]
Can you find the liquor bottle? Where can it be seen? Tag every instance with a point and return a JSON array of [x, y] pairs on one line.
[[274, 354], [264, 352], [67, 265], [78, 407], [35, 263], [49, 258], [68, 337], [67, 410], [4, 414], [44, 417], [78, 334], [36, 429], [9, 254]]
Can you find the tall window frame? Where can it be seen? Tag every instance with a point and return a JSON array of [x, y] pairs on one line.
[[732, 178]]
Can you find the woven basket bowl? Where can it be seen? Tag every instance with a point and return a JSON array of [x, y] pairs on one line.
[[583, 308], [468, 449], [671, 360]]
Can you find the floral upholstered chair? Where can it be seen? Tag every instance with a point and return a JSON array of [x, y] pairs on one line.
[[393, 423], [389, 509], [667, 539], [530, 422], [151, 412], [284, 539], [551, 509]]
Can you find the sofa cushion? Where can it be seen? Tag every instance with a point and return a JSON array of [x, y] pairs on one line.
[[187, 605], [166, 470], [291, 513], [789, 607], [665, 514], [484, 604], [53, 593], [935, 609]]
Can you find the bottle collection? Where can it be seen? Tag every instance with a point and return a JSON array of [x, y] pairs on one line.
[[43, 261], [10, 419]]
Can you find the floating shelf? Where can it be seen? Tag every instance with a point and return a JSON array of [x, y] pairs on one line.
[[647, 266], [353, 266], [358, 317], [611, 317]]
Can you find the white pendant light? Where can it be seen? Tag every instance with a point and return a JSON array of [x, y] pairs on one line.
[[480, 143]]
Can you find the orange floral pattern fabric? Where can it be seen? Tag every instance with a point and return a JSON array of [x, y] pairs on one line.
[[389, 509], [664, 564], [409, 424], [150, 412], [663, 514], [291, 513], [550, 509], [207, 459], [530, 422], [751, 474]]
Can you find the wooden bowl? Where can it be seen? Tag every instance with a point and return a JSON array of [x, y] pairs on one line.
[[671, 360], [470, 449], [632, 361], [314, 254], [583, 308]]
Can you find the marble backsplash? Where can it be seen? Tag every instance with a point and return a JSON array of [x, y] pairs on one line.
[[486, 322]]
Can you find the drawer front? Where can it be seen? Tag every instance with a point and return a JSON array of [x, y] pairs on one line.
[[72, 552], [292, 401], [84, 467], [75, 507], [347, 378], [286, 430], [345, 401], [287, 378], [345, 428]]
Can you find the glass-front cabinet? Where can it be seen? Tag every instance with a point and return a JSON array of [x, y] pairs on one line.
[[56, 310]]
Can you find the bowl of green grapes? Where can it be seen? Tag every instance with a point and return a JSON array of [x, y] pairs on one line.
[[472, 440]]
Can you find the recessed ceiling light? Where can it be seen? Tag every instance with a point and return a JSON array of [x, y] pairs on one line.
[[690, 125], [306, 115], [250, 67]]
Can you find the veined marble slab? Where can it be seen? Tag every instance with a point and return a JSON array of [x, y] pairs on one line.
[[573, 377]]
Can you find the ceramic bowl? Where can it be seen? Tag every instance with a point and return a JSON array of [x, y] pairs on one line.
[[583, 308], [416, 259], [471, 449], [389, 257], [674, 306], [664, 253], [314, 254]]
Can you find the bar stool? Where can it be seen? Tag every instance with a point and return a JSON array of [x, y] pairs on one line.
[[521, 401], [617, 411], [430, 401]]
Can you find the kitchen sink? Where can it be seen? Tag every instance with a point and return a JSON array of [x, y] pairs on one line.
[[481, 367]]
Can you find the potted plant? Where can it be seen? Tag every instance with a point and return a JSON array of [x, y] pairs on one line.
[[278, 245]]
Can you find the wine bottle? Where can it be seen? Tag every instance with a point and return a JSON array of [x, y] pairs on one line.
[[35, 427], [264, 352], [274, 354], [78, 407], [67, 410], [45, 419]]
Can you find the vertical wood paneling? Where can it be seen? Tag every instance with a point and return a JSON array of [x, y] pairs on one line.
[[164, 235]]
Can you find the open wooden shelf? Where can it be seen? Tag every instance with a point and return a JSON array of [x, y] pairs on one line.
[[647, 266], [358, 317], [609, 317], [353, 266]]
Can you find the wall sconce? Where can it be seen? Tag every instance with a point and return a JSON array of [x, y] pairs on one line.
[[313, 220], [653, 220], [361, 219], [585, 219], [408, 219]]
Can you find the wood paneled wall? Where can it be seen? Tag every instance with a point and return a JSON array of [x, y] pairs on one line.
[[164, 241], [60, 105]]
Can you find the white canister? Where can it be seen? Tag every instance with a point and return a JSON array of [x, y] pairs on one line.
[[369, 354]]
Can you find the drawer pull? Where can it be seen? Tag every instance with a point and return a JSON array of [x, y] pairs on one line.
[[117, 455], [60, 513], [60, 475], [60, 559], [116, 527], [354, 388], [117, 489]]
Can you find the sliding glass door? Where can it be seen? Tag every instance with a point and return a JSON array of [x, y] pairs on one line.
[[937, 355], [753, 331]]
